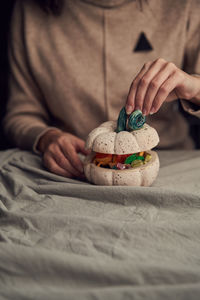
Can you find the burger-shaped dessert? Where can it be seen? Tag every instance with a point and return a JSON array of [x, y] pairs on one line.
[[121, 152]]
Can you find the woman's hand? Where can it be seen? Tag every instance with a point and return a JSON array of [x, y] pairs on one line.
[[161, 81], [60, 153]]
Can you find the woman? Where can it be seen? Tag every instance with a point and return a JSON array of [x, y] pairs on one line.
[[72, 64]]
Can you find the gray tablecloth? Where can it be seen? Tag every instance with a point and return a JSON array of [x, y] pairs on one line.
[[67, 239]]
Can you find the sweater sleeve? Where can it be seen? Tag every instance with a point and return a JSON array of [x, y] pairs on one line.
[[192, 53], [27, 117]]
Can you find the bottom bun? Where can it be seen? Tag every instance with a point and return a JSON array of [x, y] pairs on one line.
[[138, 176]]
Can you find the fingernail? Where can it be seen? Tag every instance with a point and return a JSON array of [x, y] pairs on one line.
[[129, 109], [152, 111], [144, 112]]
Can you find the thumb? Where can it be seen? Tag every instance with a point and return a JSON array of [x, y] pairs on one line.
[[85, 151], [80, 147]]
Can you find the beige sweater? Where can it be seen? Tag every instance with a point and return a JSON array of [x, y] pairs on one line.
[[74, 71]]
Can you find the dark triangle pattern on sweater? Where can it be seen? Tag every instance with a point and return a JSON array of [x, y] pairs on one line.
[[143, 44]]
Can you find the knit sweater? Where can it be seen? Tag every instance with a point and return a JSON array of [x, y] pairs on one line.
[[74, 71]]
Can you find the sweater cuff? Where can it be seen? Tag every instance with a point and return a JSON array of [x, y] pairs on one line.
[[191, 108], [39, 135]]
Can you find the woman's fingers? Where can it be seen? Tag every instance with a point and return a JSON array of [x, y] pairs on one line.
[[74, 160], [165, 89], [79, 145], [130, 103], [154, 86], [70, 152], [145, 91], [52, 166], [60, 153], [145, 82], [66, 162], [62, 161]]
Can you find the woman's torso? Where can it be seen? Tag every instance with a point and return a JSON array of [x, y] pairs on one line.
[[84, 60]]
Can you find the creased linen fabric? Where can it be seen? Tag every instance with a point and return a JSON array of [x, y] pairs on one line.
[[67, 239]]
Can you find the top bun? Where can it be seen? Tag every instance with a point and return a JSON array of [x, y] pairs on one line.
[[105, 139]]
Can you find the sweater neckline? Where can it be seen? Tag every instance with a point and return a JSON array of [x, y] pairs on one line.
[[107, 3]]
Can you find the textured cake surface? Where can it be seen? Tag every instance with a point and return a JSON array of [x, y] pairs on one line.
[[104, 139]]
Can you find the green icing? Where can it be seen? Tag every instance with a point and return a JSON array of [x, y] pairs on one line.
[[122, 119], [135, 121]]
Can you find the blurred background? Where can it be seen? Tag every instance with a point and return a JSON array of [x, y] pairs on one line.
[[5, 16]]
